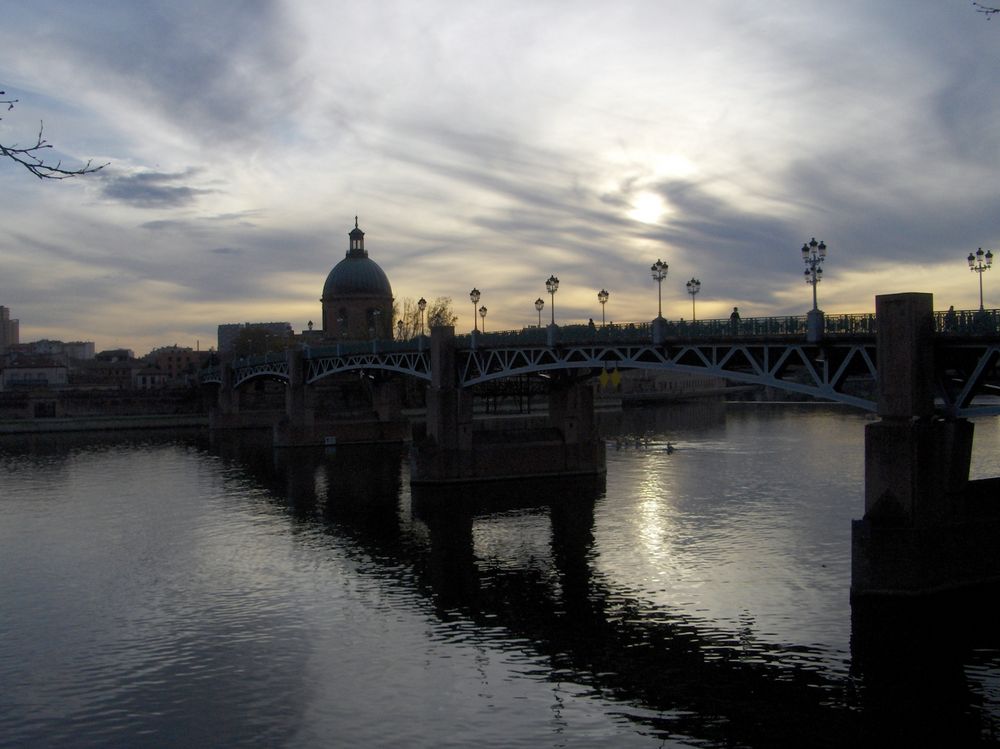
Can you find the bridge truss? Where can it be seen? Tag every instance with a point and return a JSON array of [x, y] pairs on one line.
[[842, 371], [840, 368]]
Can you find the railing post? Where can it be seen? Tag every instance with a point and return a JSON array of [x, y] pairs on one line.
[[815, 324], [659, 326]]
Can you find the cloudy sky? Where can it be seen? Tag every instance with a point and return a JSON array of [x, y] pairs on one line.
[[492, 144]]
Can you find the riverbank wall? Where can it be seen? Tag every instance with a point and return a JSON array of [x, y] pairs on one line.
[[103, 423]]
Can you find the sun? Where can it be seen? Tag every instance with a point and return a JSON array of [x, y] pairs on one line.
[[647, 208]]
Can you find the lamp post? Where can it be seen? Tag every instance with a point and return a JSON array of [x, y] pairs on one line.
[[979, 263], [539, 303], [421, 305], [399, 330], [474, 296], [659, 271], [602, 297], [813, 255], [693, 287], [552, 286], [482, 314]]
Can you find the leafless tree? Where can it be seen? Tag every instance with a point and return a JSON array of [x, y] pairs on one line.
[[438, 312], [31, 157]]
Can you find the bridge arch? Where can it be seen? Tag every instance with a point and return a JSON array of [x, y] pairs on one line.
[[821, 371]]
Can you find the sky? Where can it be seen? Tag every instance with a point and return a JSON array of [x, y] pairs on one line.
[[490, 145]]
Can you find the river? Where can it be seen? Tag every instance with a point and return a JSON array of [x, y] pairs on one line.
[[176, 589]]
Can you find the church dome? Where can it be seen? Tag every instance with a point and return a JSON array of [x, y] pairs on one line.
[[356, 276], [357, 297]]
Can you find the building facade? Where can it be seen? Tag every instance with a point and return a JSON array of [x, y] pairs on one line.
[[230, 333], [9, 330]]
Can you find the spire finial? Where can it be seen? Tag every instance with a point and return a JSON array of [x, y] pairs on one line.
[[355, 222]]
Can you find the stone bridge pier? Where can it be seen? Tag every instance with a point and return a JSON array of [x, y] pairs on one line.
[[926, 527], [454, 451], [297, 425], [301, 425]]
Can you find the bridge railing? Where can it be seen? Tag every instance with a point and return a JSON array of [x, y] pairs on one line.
[[793, 325], [968, 322], [950, 323]]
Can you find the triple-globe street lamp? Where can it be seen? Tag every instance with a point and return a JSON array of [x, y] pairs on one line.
[[552, 286], [602, 297], [539, 303], [422, 305], [482, 314], [474, 296], [659, 272], [979, 263], [693, 287], [813, 254]]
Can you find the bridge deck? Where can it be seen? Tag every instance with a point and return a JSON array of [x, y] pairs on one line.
[[770, 351]]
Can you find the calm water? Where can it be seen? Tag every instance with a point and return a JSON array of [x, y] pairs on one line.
[[171, 590]]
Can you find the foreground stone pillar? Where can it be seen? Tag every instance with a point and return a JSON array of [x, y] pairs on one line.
[[916, 534]]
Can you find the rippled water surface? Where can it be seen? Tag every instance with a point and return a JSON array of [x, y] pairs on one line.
[[171, 590]]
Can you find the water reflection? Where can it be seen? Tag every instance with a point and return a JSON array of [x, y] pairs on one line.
[[549, 574], [517, 562]]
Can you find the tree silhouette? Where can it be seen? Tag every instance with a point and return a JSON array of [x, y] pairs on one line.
[[31, 157], [438, 312]]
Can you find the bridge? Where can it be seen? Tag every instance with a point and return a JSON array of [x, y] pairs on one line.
[[926, 526], [838, 365]]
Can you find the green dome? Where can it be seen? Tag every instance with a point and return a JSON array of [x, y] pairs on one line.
[[356, 275]]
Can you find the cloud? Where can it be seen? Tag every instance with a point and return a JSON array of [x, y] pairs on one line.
[[152, 190], [493, 149]]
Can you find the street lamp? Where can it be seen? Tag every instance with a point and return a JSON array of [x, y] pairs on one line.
[[979, 263], [552, 286], [602, 297], [659, 272], [693, 287], [474, 296], [399, 330], [421, 305], [482, 314], [813, 255], [539, 303]]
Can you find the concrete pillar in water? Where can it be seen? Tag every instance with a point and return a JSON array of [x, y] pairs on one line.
[[229, 397], [571, 411], [226, 414], [449, 407], [387, 400], [916, 465], [297, 426]]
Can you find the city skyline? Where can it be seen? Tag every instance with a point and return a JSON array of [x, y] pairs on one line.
[[491, 146]]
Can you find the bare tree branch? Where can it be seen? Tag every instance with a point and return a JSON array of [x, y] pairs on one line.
[[31, 157], [987, 10]]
